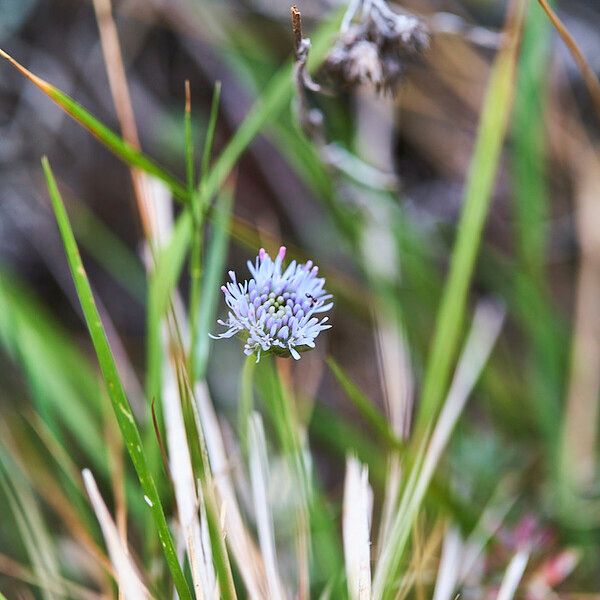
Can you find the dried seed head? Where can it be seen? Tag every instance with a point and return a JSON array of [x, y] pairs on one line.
[[376, 48], [363, 64]]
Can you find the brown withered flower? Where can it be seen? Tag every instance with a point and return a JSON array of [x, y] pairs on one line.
[[374, 46]]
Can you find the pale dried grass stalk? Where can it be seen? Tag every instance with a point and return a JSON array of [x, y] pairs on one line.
[[243, 549], [356, 528], [119, 88], [580, 429], [180, 464], [390, 500], [485, 329], [447, 577], [513, 575], [259, 478], [395, 374], [127, 576]]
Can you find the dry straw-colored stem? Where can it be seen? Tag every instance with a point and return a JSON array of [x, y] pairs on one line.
[[589, 76], [119, 88]]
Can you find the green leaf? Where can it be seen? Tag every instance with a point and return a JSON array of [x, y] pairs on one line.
[[121, 407]]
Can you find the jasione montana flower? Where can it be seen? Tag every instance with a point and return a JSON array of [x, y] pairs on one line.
[[276, 310]]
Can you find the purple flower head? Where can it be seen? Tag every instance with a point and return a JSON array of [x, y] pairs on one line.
[[277, 311]]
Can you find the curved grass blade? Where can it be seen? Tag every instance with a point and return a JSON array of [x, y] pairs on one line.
[[109, 138], [121, 406], [365, 407]]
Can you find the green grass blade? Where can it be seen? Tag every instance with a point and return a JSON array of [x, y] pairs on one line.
[[189, 140], [478, 192], [200, 205], [210, 132], [29, 521], [109, 138], [277, 405], [116, 144], [109, 251], [364, 405], [219, 549], [212, 279], [528, 157], [246, 403], [121, 406], [531, 209], [277, 95]]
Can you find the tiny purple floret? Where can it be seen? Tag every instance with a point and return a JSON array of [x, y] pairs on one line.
[[276, 311]]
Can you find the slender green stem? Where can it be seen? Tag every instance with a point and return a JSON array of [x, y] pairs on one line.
[[116, 392], [199, 203], [210, 133]]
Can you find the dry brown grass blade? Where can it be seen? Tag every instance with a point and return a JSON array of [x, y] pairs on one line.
[[589, 76], [37, 81], [15, 570], [53, 495], [119, 88]]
